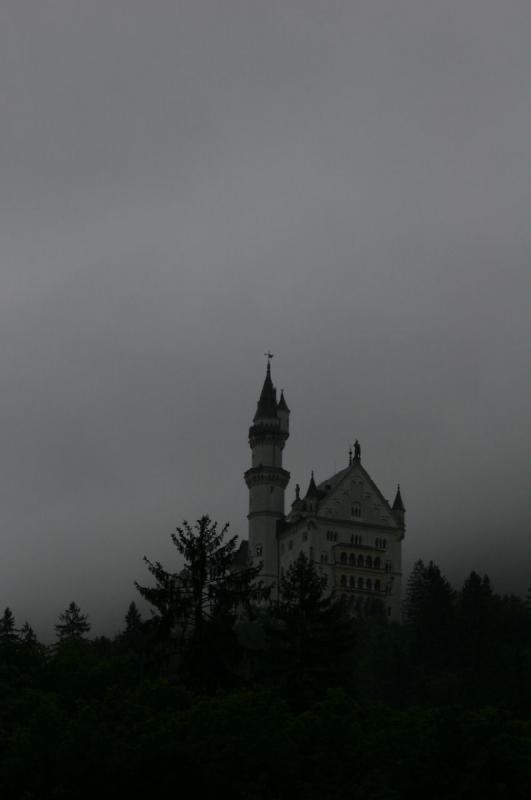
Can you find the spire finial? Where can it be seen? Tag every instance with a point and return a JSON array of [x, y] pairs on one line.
[[398, 504], [269, 356], [357, 451]]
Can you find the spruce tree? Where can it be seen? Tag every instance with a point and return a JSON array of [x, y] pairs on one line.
[[8, 632], [72, 625], [429, 615], [310, 635], [196, 608], [133, 620]]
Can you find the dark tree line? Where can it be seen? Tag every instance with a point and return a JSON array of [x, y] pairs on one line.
[[220, 690]]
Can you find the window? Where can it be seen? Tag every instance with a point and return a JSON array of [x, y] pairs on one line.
[[324, 558], [360, 583], [368, 562], [356, 510], [352, 560], [369, 585], [343, 580], [343, 558], [258, 549], [377, 563], [352, 581], [360, 561], [377, 586]]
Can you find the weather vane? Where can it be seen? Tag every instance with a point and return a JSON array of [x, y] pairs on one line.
[[269, 356]]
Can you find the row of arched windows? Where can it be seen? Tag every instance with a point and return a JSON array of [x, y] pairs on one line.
[[361, 561], [381, 544], [361, 583]]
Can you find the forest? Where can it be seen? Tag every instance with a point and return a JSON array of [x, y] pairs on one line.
[[223, 690]]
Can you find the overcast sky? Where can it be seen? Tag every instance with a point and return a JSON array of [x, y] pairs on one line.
[[185, 185]]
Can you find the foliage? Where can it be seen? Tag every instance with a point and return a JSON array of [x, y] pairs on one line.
[[8, 633], [197, 607], [337, 706], [72, 625], [310, 636]]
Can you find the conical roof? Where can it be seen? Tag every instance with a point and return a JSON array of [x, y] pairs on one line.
[[398, 505], [267, 404], [282, 405], [313, 491]]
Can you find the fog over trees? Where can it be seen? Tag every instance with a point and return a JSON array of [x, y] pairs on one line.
[[227, 691]]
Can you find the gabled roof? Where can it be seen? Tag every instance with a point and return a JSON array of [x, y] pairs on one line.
[[329, 487]]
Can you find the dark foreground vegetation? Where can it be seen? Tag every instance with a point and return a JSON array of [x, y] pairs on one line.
[[213, 697]]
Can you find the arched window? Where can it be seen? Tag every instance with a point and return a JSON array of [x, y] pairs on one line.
[[377, 586], [377, 543], [356, 510], [377, 563], [352, 581], [360, 561], [352, 559], [343, 558], [360, 583], [369, 584], [343, 580], [368, 561]]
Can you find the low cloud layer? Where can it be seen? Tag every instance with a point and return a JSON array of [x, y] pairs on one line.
[[185, 186]]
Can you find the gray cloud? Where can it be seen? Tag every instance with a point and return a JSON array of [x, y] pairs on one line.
[[187, 184]]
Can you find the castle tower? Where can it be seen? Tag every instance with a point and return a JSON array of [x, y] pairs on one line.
[[266, 479]]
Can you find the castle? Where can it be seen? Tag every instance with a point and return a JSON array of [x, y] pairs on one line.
[[344, 524]]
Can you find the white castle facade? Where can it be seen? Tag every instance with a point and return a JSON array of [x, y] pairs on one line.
[[344, 524]]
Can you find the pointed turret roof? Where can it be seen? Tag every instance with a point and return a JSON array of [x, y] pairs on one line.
[[267, 404], [313, 491], [398, 505], [282, 405]]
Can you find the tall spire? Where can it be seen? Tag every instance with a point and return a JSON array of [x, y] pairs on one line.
[[398, 505], [282, 405], [313, 491], [267, 404]]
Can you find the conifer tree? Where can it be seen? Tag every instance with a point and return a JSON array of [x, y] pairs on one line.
[[133, 619], [429, 614], [27, 635], [8, 632], [310, 636], [72, 625], [197, 606]]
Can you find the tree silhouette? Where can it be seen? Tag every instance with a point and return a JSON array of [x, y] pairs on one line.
[[133, 619], [72, 624], [8, 633], [197, 606], [310, 636]]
